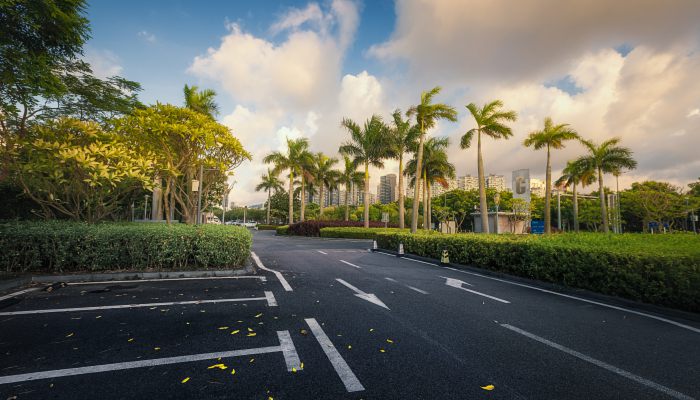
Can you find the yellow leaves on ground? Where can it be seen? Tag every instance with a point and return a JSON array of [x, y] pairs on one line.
[[130, 340], [156, 348], [488, 387], [233, 371], [382, 351], [294, 369], [371, 329], [185, 380], [389, 341], [301, 366], [251, 334], [223, 328], [250, 330], [70, 334], [259, 315], [219, 366], [252, 359], [235, 332]]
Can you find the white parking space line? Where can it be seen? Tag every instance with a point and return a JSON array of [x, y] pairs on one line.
[[601, 364], [21, 292], [286, 347], [261, 278], [278, 274], [421, 291], [291, 357], [352, 384], [271, 301], [322, 252], [627, 310], [350, 264], [123, 306]]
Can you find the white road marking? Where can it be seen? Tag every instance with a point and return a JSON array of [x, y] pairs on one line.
[[262, 278], [279, 276], [291, 358], [271, 301], [322, 252], [419, 261], [668, 321], [363, 295], [601, 364], [350, 264], [122, 306], [421, 291], [352, 384], [456, 283], [21, 292], [286, 347]]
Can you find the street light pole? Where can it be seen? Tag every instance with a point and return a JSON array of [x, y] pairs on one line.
[[559, 210], [497, 200], [145, 207], [198, 220]]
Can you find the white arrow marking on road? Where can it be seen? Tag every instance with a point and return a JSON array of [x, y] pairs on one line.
[[364, 296], [458, 284]]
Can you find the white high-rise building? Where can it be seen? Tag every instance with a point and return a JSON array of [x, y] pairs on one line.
[[537, 187], [410, 189], [437, 189], [497, 182], [468, 182]]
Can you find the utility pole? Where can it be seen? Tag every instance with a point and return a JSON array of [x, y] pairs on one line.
[[198, 220]]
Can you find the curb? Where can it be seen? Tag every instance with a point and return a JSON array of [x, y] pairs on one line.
[[612, 300]]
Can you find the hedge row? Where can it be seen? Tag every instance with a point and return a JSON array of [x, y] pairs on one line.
[[313, 228], [282, 230], [358, 233], [70, 247], [264, 227], [667, 279]]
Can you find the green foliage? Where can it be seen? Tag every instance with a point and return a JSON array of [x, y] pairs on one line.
[[282, 230], [659, 269], [358, 232], [71, 247], [264, 227]]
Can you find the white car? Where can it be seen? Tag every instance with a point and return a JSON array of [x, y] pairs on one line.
[[250, 224]]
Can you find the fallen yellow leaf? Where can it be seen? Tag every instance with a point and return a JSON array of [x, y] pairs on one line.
[[186, 379], [235, 332], [382, 351], [70, 334], [233, 371], [251, 334], [389, 341], [252, 359], [223, 328], [259, 315], [488, 387], [98, 317], [294, 369], [349, 347], [301, 366], [130, 340], [250, 330], [156, 348], [219, 366], [371, 329]]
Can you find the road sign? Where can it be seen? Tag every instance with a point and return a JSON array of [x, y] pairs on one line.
[[537, 226], [385, 217]]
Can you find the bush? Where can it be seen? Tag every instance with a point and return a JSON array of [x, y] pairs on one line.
[[282, 230], [313, 228], [664, 272], [61, 246], [358, 233], [263, 227]]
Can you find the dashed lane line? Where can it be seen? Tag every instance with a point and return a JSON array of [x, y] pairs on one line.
[[278, 274], [19, 293], [350, 264], [322, 252], [352, 384], [421, 291]]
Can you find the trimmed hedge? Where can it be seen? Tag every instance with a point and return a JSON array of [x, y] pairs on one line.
[[282, 230], [606, 264], [313, 228], [59, 246], [264, 227], [358, 233]]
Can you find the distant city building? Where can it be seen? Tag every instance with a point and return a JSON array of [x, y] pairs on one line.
[[256, 206], [497, 182], [468, 182], [387, 189], [537, 187], [372, 198], [437, 189], [410, 189]]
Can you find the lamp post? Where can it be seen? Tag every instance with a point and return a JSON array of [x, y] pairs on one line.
[[559, 210], [497, 201], [145, 207]]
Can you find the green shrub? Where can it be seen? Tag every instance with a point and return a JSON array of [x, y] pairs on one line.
[[60, 246], [282, 230], [263, 227], [664, 272], [357, 233]]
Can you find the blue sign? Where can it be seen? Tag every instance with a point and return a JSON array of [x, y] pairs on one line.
[[537, 226]]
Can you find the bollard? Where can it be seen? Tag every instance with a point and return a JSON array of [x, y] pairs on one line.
[[374, 245], [445, 259], [400, 254]]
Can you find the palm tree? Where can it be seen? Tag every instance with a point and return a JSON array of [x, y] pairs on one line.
[[349, 177], [325, 176], [551, 137], [307, 169], [368, 146], [607, 157], [201, 101], [490, 121], [297, 152], [269, 183], [435, 169], [402, 137], [573, 174], [427, 114]]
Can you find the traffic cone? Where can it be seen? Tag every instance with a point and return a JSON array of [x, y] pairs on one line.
[[400, 254], [445, 259]]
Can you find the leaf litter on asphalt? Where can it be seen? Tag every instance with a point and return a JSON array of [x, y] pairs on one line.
[[488, 387]]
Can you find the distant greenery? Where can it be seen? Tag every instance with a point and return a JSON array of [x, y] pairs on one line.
[[358, 232], [61, 246], [659, 269]]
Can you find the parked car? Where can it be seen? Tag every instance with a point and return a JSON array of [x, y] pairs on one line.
[[250, 224]]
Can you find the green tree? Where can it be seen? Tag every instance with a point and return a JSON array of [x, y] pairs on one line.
[[269, 183], [607, 157], [349, 177], [80, 171], [324, 176], [367, 146], [576, 173], [201, 101], [297, 154], [436, 169], [550, 137], [402, 138], [490, 121], [427, 114]]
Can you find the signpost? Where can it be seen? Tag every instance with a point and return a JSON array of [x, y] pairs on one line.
[[385, 218], [537, 226]]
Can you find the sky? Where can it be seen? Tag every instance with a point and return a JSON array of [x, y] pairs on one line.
[[627, 69]]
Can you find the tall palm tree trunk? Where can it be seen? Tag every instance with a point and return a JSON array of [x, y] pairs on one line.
[[366, 195], [575, 205], [320, 203], [291, 197], [482, 188], [303, 198], [425, 203], [419, 166], [347, 206], [402, 211], [430, 204], [548, 196], [603, 210], [269, 195]]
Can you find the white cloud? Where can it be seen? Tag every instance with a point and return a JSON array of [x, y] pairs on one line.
[[104, 63], [147, 36], [693, 112]]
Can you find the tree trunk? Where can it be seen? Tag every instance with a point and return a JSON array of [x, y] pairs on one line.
[[482, 188], [419, 166], [603, 210], [402, 211], [430, 204], [366, 195], [575, 205], [320, 202], [425, 203], [548, 196], [291, 197], [303, 198], [347, 206], [268, 205]]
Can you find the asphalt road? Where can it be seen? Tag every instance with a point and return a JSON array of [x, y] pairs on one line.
[[331, 320]]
